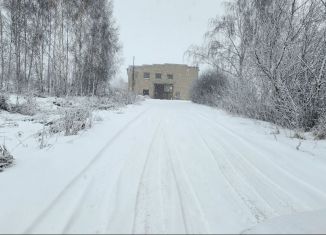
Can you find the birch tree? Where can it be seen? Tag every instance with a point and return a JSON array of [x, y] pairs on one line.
[[274, 55], [57, 47]]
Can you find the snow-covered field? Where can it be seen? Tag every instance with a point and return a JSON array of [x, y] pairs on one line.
[[164, 167]]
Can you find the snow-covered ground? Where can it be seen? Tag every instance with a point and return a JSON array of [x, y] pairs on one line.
[[165, 167]]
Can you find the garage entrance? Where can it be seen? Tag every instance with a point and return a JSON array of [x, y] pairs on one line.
[[163, 91]]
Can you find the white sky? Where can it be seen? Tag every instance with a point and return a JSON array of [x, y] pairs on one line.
[[160, 31]]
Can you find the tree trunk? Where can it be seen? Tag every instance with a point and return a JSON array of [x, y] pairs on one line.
[[2, 52], [49, 52], [25, 45]]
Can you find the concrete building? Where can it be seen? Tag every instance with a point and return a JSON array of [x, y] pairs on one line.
[[162, 81]]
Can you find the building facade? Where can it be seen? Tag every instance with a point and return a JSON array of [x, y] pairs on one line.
[[162, 81]]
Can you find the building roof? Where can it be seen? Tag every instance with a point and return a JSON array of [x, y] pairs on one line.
[[165, 64]]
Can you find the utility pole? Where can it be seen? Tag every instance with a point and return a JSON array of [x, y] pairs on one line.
[[133, 74]]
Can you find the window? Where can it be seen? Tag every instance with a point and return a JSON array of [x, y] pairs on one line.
[[170, 76], [158, 75], [177, 95], [147, 75], [145, 92]]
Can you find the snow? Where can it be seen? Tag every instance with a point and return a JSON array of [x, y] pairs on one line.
[[164, 167], [302, 223]]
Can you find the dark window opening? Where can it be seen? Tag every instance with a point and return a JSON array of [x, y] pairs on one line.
[[158, 75], [170, 76], [147, 75], [146, 92]]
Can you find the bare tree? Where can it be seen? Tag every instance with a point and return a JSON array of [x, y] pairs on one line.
[[57, 47], [274, 55]]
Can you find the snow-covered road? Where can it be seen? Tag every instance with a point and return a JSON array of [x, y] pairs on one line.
[[164, 167]]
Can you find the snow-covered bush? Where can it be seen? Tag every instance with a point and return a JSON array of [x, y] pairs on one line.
[[209, 88], [102, 103], [6, 159], [4, 102], [129, 97], [245, 99], [72, 121], [298, 135], [28, 107], [76, 120], [122, 96], [114, 99], [320, 129]]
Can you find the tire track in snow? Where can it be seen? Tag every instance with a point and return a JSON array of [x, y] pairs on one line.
[[68, 213], [231, 178], [141, 189], [289, 196], [202, 222], [114, 194], [254, 150], [181, 203], [78, 208], [118, 207], [61, 194]]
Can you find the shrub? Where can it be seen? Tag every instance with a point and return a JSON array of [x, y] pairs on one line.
[[122, 96], [245, 99], [4, 102], [209, 88], [28, 107], [298, 135], [320, 129], [72, 121], [114, 99], [76, 120], [6, 159]]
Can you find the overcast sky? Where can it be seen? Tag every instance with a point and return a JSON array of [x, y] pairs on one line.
[[160, 31]]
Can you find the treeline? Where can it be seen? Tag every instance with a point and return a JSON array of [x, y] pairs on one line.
[[272, 54], [57, 47]]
